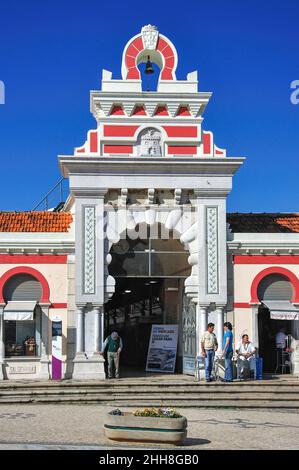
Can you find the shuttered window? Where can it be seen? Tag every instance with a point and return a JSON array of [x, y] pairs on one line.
[[275, 287], [22, 287]]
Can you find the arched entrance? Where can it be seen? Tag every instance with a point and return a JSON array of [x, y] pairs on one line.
[[150, 274], [275, 290], [22, 315]]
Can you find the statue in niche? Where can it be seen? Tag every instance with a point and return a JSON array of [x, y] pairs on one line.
[[151, 143]]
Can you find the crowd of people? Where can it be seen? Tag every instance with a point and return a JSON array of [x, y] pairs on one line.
[[245, 352]]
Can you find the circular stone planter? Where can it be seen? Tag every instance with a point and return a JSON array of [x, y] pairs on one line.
[[128, 427]]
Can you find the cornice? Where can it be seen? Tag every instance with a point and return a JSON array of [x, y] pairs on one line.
[[176, 165]]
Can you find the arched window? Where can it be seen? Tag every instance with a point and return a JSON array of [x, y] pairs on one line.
[[275, 287], [22, 315], [22, 287]]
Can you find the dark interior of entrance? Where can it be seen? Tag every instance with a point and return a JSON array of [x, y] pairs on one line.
[[268, 329], [150, 274], [136, 305]]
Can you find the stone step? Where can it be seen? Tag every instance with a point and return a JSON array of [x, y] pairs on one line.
[[147, 396], [219, 391], [172, 402]]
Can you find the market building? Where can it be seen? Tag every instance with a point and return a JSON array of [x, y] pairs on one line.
[[144, 237]]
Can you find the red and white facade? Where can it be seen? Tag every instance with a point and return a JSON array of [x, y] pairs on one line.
[[149, 162]]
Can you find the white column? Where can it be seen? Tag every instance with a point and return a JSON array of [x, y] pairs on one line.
[[80, 332], [203, 319], [201, 326], [219, 326], [44, 360], [97, 329], [1, 344], [255, 329]]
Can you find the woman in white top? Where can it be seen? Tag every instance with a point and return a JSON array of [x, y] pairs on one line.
[[246, 355]]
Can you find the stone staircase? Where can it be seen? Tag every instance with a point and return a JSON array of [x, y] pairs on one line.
[[144, 392]]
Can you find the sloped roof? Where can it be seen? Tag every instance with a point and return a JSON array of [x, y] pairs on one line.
[[35, 221], [264, 222]]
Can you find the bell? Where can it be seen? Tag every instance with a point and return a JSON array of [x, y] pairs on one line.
[[149, 67]]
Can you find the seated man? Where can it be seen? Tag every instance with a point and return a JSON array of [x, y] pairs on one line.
[[245, 356]]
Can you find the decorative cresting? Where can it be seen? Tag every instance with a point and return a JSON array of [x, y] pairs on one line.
[[150, 36], [212, 250], [149, 42], [89, 250]]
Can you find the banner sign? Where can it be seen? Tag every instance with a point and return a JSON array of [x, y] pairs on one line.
[[278, 315], [56, 348], [162, 349]]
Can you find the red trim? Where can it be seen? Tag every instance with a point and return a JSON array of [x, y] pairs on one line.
[[207, 143], [163, 48], [117, 111], [179, 149], [80, 150], [26, 270], [57, 305], [266, 259], [242, 305], [120, 131], [183, 111], [274, 270], [33, 259], [93, 141], [139, 111], [219, 152], [181, 131], [118, 148], [161, 111]]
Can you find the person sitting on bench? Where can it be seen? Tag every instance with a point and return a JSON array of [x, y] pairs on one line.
[[245, 356]]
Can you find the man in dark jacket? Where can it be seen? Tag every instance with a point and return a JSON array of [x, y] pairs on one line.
[[114, 345]]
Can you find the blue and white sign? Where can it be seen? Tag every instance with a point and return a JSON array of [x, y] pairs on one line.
[[162, 349]]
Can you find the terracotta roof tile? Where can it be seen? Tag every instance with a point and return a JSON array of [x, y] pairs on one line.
[[39, 221], [264, 222]]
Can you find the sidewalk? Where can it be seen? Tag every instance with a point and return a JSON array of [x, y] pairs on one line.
[[82, 425]]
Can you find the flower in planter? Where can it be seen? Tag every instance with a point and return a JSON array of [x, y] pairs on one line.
[[158, 413]]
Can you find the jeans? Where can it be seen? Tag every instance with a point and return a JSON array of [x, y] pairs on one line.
[[228, 376], [209, 361]]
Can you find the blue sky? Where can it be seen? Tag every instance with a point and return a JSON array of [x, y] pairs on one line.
[[247, 53]]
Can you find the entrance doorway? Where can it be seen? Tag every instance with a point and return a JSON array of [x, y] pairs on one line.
[[268, 329], [150, 275], [273, 289]]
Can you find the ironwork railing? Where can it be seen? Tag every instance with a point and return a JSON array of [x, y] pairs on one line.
[[55, 198]]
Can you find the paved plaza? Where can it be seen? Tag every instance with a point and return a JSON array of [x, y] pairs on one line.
[[65, 426]]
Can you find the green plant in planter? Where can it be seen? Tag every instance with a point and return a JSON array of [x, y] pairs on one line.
[[158, 413]]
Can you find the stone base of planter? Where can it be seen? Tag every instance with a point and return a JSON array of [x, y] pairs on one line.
[[136, 428]]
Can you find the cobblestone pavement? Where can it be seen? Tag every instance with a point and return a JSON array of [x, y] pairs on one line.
[[53, 426]]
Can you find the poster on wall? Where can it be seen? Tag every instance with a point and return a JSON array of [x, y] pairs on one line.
[[56, 348], [162, 349]]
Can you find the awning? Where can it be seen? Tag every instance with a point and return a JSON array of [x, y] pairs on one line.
[[16, 310], [282, 310]]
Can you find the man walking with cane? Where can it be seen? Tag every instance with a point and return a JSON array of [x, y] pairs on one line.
[[209, 345]]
